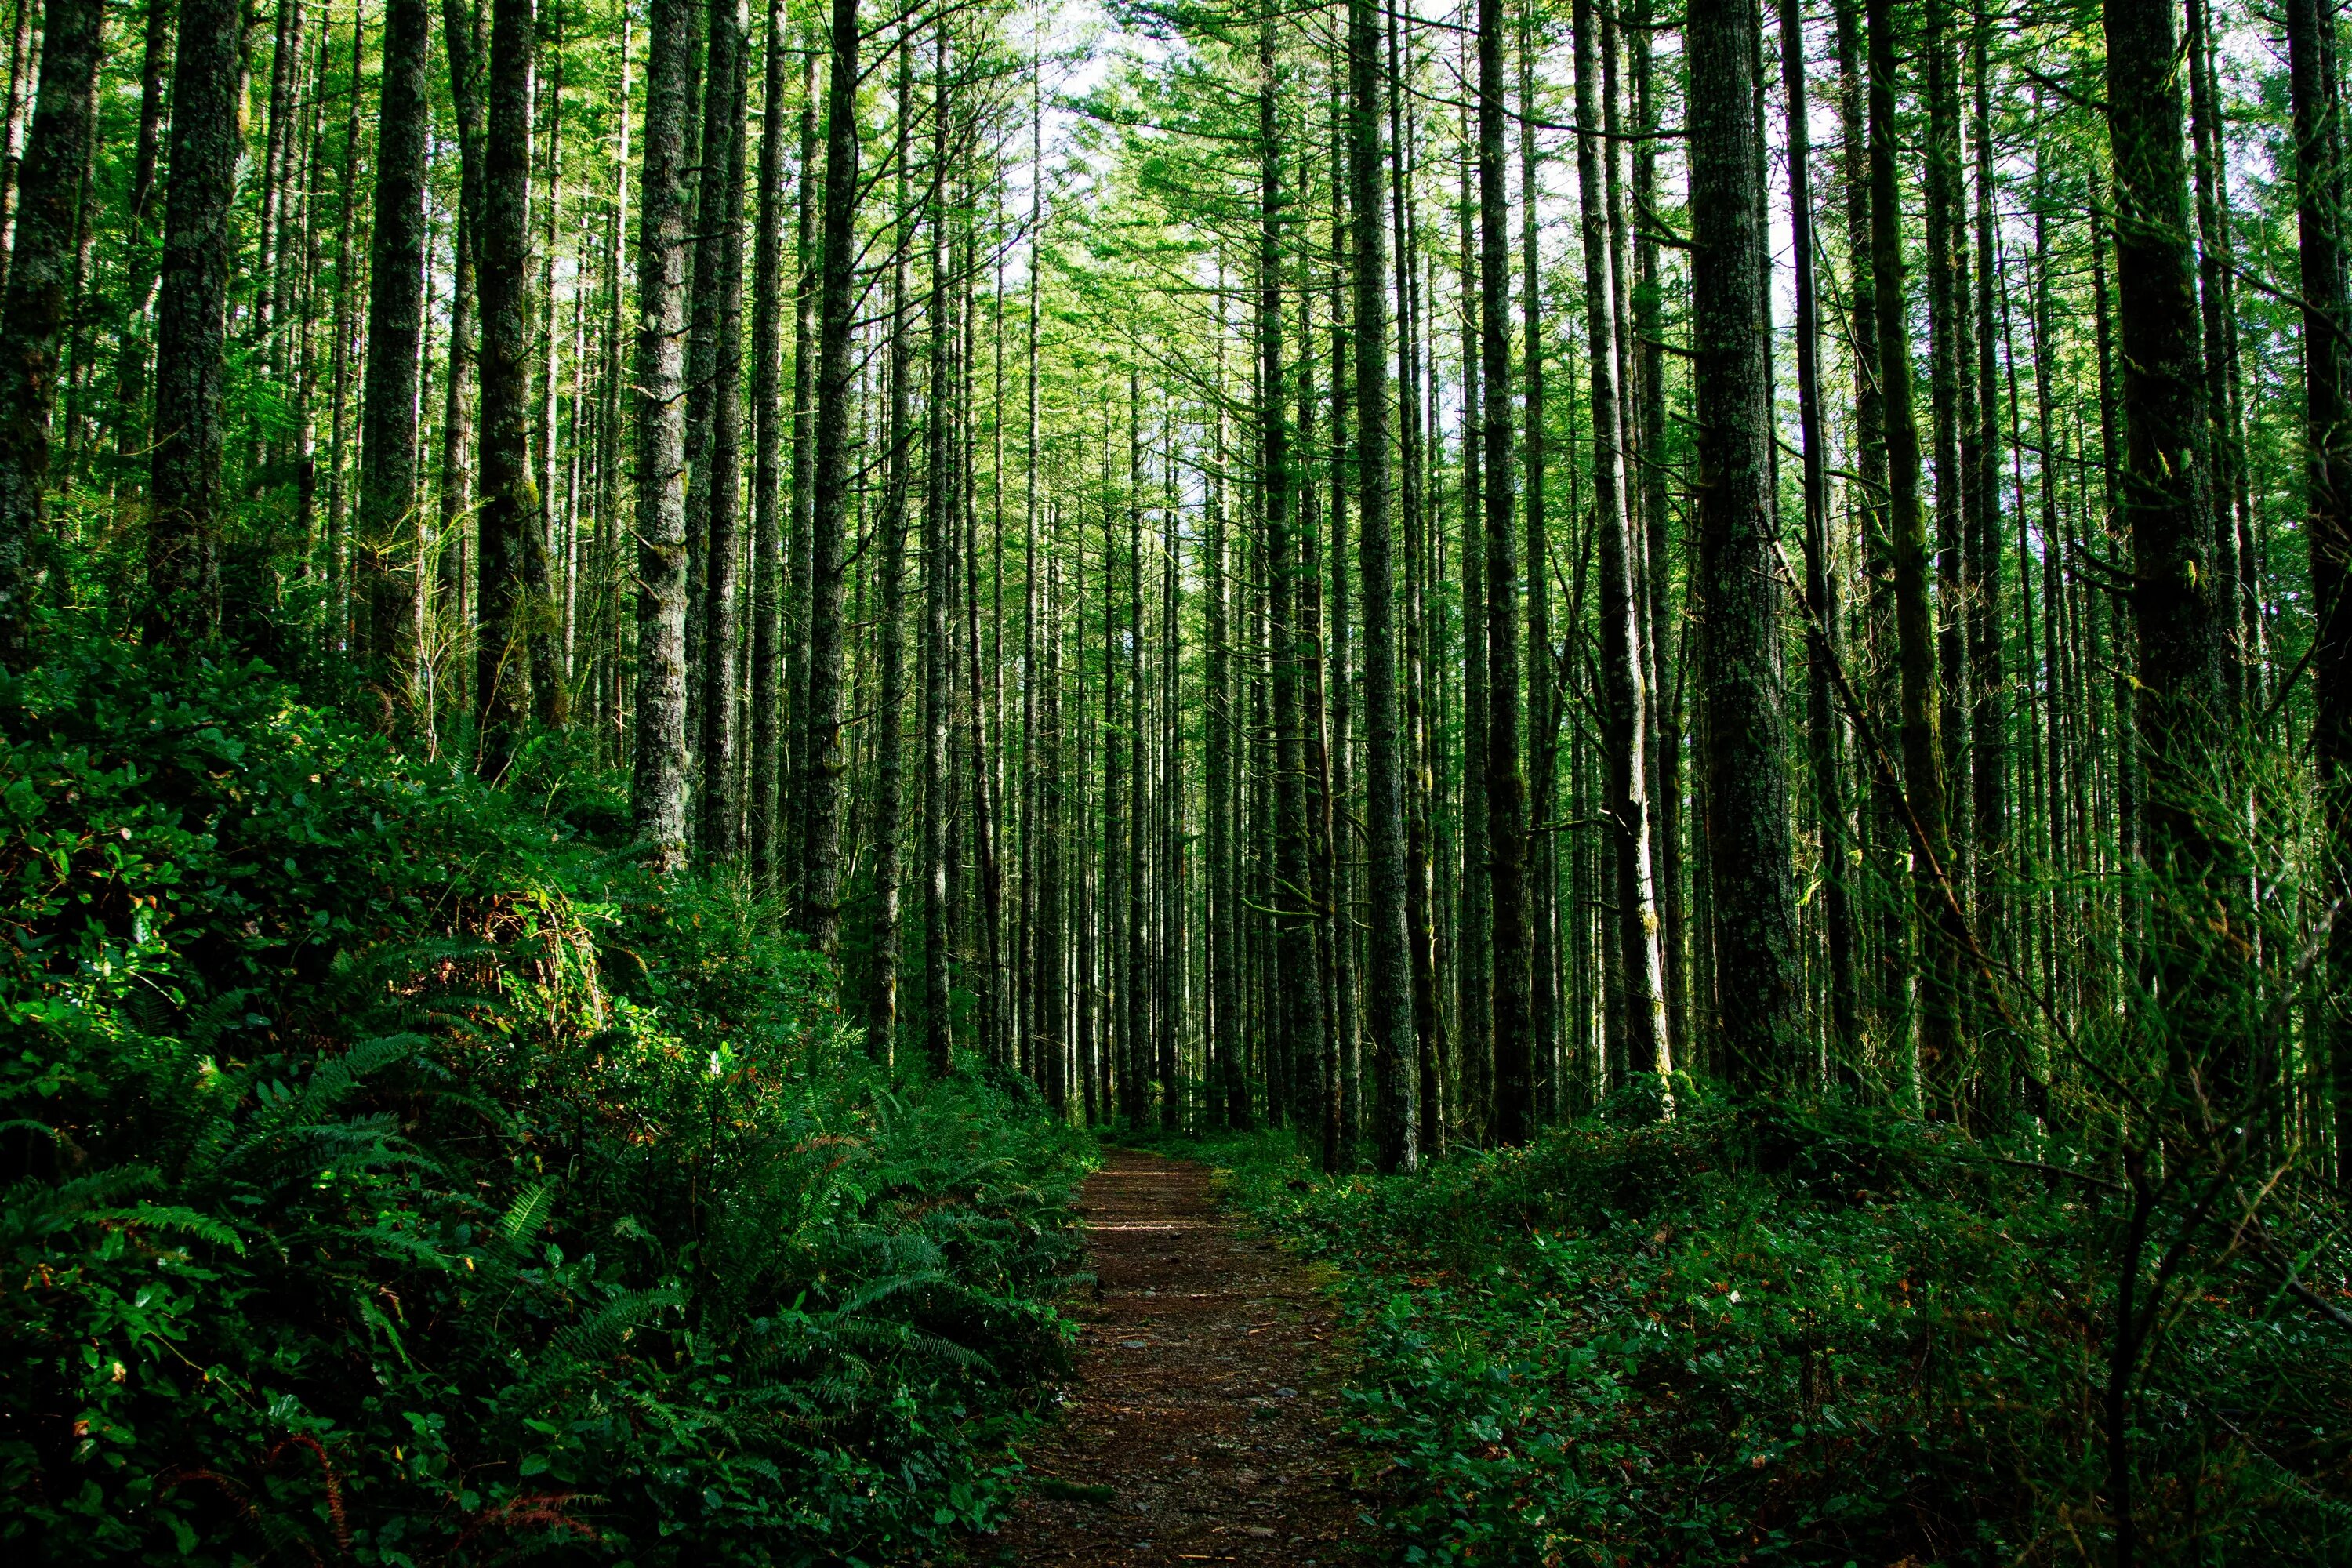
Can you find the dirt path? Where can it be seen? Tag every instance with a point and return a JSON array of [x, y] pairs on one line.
[[1202, 1423]]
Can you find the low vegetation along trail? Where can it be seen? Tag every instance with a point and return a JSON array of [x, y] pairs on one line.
[[1202, 1423]]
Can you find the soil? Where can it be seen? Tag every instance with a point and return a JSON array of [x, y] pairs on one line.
[[1202, 1423]]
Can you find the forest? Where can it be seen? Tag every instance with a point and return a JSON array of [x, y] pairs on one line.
[[1668, 689]]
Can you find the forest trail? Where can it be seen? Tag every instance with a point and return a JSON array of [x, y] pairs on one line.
[[1202, 1420]]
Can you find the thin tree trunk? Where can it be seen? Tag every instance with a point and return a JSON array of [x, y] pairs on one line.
[[807, 203], [820, 753], [461, 37], [1625, 706], [767, 478], [1821, 735], [939, 572], [882, 996], [1923, 757], [1543, 731]]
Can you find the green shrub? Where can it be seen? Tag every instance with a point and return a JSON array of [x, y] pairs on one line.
[[391, 1171], [1798, 1335]]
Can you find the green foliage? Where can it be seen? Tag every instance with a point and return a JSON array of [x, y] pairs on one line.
[[392, 1171], [1799, 1335]]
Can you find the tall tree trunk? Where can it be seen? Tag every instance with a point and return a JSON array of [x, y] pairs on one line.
[[1987, 679], [1136, 1053], [183, 526], [822, 762], [139, 271], [1416, 1117], [510, 500], [1507, 782], [1923, 758], [767, 478], [1473, 925], [660, 762], [1228, 1093], [807, 202], [1951, 397], [1821, 735], [938, 577], [1543, 728], [1654, 576], [1624, 667], [719, 214], [461, 37], [2167, 504], [389, 538], [37, 299], [1300, 991], [2313, 86], [1748, 795], [882, 996]]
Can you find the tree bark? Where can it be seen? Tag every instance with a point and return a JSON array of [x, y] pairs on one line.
[[1623, 664], [1506, 780], [1938, 1034], [183, 525], [882, 996], [767, 479], [37, 298], [807, 203], [939, 576], [660, 761], [389, 557], [2167, 502], [1821, 718], [2312, 84], [510, 500], [822, 761], [719, 214], [461, 37], [1747, 793]]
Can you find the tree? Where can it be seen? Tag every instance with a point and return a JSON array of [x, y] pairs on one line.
[[1747, 788], [183, 524], [822, 763], [2327, 467], [715, 485], [658, 795], [391, 557], [1388, 959], [1506, 783], [34, 304], [510, 500], [769, 414], [2166, 505], [1625, 666]]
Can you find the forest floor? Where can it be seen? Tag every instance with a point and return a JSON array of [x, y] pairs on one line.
[[1202, 1421]]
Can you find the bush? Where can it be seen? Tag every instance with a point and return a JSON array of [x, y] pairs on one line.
[[1799, 1334], [393, 1172]]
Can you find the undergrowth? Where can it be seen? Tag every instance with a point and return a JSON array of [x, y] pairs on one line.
[[394, 1175], [1798, 1334]]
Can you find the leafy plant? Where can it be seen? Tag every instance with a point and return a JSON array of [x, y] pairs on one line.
[[393, 1174]]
